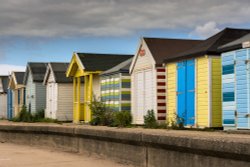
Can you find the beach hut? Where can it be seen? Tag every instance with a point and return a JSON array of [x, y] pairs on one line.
[[115, 87], [3, 96], [35, 90], [194, 82], [148, 75], [18, 92], [59, 96], [87, 67], [236, 84]]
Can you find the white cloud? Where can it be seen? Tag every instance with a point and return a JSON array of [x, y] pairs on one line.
[[206, 30], [6, 69], [64, 18]]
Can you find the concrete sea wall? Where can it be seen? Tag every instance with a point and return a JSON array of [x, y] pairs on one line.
[[138, 147]]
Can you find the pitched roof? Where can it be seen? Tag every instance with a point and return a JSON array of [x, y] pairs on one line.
[[37, 69], [5, 82], [237, 44], [59, 71], [122, 67], [162, 48], [19, 77], [101, 62], [210, 45]]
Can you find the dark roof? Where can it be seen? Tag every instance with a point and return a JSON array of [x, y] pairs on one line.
[[162, 48], [122, 67], [101, 62], [237, 44], [19, 77], [59, 71], [210, 45], [37, 70], [5, 82]]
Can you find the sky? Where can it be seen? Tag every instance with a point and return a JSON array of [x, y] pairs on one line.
[[51, 30]]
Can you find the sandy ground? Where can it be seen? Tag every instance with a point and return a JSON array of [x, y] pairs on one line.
[[13, 155]]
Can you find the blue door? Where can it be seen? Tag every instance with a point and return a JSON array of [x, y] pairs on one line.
[[185, 91], [9, 105], [190, 92], [242, 95], [181, 90]]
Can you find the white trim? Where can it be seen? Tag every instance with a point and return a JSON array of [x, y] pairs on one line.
[[79, 60], [142, 43], [46, 76], [131, 68], [209, 91]]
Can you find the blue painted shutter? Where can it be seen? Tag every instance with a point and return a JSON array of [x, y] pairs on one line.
[[190, 88], [228, 90], [242, 81], [181, 89]]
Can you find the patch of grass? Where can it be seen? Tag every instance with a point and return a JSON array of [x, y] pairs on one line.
[[25, 116]]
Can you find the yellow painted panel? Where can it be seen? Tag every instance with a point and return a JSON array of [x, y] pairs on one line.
[[171, 91], [216, 93], [202, 74]]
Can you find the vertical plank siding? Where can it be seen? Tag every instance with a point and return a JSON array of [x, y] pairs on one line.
[[115, 91], [171, 92], [194, 91], [228, 88], [30, 95], [216, 92], [65, 102], [202, 91], [40, 96], [161, 96], [236, 89], [3, 105]]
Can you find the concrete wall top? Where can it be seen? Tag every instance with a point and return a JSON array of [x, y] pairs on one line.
[[222, 144]]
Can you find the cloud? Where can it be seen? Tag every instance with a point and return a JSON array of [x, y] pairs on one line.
[[5, 69], [206, 30], [64, 18]]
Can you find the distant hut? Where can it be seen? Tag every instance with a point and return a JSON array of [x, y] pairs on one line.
[[35, 90], [18, 92]]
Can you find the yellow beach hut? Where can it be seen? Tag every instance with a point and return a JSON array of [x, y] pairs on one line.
[[194, 81], [85, 68]]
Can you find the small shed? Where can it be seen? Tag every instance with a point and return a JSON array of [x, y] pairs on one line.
[[3, 96], [88, 66], [236, 84], [18, 92], [115, 87], [59, 92], [35, 90], [148, 75], [194, 81]]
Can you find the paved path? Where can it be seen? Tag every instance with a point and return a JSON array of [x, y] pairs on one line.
[[13, 155]]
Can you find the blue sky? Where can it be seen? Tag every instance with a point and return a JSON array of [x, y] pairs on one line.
[[51, 30]]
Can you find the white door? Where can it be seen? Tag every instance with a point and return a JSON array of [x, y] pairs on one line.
[[144, 94], [149, 92], [50, 101], [53, 99], [139, 101]]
